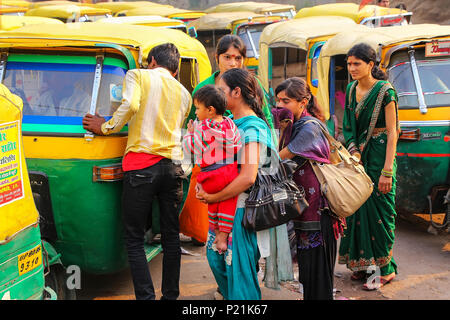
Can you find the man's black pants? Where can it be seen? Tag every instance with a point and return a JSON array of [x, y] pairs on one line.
[[162, 181]]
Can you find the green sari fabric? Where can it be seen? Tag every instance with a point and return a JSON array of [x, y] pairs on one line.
[[369, 237]]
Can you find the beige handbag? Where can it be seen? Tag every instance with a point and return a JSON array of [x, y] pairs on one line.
[[344, 181]]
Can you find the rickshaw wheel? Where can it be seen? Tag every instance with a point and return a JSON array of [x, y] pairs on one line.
[[57, 279]]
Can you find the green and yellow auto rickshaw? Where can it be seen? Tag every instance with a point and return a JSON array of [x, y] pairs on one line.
[[291, 49], [370, 15], [21, 249], [70, 13], [265, 8], [417, 60], [63, 72], [247, 25]]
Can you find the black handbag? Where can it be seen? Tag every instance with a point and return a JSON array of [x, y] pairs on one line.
[[274, 199]]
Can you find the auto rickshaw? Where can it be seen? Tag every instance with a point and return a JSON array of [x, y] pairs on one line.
[[116, 7], [22, 253], [417, 60], [266, 8], [13, 22], [172, 13], [70, 13], [247, 25], [39, 4], [369, 15], [15, 3], [76, 176], [152, 21], [291, 48]]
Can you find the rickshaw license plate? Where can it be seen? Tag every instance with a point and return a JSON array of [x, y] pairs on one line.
[[29, 260]]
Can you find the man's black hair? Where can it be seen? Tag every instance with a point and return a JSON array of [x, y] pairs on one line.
[[166, 55], [209, 95]]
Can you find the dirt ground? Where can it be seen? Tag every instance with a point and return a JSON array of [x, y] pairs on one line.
[[423, 265]]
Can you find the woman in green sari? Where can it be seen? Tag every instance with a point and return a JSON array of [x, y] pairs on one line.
[[370, 130]]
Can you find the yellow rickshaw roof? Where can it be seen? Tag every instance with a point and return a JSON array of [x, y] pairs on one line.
[[65, 11], [39, 4], [349, 10], [12, 9], [161, 11], [143, 38], [225, 20], [128, 5], [15, 3], [14, 22], [138, 20], [257, 7], [298, 31], [343, 41]]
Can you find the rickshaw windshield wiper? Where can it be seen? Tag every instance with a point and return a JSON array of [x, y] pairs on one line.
[[252, 43], [420, 97]]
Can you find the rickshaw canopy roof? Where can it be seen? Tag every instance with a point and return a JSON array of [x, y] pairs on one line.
[[296, 33], [15, 3], [13, 22], [257, 7], [161, 11], [226, 20], [142, 20], [38, 4], [20, 213], [130, 36], [65, 11], [128, 5], [5, 9], [342, 42], [349, 10]]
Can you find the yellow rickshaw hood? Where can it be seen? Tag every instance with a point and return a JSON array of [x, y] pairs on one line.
[[65, 11], [296, 33], [223, 20], [14, 22], [257, 7]]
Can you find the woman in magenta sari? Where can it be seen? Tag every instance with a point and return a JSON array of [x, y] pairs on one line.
[[317, 229]]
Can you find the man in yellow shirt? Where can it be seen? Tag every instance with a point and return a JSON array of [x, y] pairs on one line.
[[155, 106]]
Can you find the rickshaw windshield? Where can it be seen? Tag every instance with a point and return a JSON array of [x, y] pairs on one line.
[[434, 80], [250, 35], [63, 89]]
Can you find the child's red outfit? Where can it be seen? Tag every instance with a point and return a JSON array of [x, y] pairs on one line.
[[214, 146]]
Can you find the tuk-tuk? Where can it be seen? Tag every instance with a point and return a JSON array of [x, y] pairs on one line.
[[70, 13], [265, 8], [76, 176], [172, 13], [369, 15], [291, 48], [13, 22], [152, 21], [15, 3], [21, 250], [116, 7], [247, 25], [39, 4], [417, 60]]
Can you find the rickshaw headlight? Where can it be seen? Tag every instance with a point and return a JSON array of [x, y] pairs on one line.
[[107, 173], [410, 134]]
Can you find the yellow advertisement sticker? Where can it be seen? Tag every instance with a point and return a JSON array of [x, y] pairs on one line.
[[11, 181]]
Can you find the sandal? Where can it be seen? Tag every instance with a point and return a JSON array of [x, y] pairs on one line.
[[358, 276], [376, 284]]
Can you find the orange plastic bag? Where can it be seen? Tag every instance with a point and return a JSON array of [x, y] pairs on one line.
[[194, 216]]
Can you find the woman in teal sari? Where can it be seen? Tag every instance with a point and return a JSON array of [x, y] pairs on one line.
[[235, 270], [370, 130]]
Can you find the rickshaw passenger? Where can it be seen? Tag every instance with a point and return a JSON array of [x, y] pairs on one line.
[[155, 106], [52, 91], [78, 103]]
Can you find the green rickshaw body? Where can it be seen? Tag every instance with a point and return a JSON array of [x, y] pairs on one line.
[[21, 250], [76, 176]]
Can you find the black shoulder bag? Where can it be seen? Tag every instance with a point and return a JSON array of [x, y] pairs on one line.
[[274, 199]]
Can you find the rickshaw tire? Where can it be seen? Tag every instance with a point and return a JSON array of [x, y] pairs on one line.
[[56, 280]]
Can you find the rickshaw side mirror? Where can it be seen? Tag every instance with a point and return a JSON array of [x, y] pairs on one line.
[[192, 32]]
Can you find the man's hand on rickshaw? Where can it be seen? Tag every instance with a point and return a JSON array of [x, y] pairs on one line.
[[93, 123]]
